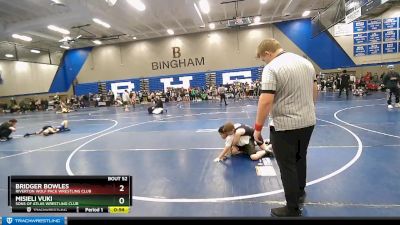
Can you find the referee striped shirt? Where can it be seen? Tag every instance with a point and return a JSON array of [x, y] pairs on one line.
[[291, 78]]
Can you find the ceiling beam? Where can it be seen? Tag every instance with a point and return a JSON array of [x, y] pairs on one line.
[[152, 29], [225, 13], [138, 21], [290, 7], [276, 10], [209, 17], [191, 10], [163, 25], [176, 20], [260, 8], [42, 35], [77, 14], [116, 22], [172, 14], [17, 5], [39, 24]]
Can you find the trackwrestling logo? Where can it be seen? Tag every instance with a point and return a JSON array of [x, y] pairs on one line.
[[33, 220]]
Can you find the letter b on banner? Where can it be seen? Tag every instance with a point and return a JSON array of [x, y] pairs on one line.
[[176, 52]]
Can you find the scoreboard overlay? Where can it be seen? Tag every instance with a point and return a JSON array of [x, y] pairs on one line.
[[70, 194]]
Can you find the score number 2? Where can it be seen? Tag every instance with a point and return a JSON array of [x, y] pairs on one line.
[[121, 189]]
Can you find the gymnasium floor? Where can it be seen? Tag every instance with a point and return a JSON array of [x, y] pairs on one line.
[[353, 159]]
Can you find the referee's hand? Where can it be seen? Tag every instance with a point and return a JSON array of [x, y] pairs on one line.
[[257, 136]]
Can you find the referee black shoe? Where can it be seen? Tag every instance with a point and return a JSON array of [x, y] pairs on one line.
[[286, 212]]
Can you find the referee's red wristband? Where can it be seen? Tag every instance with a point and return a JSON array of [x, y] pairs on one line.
[[258, 127]]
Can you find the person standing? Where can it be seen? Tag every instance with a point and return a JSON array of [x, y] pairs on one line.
[[221, 92], [344, 83], [126, 100], [391, 81], [133, 98], [288, 91]]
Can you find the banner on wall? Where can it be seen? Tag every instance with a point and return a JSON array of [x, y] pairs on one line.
[[390, 48], [374, 25], [241, 76], [374, 49], [390, 23], [175, 81], [375, 37], [382, 35], [120, 87], [184, 82], [360, 26], [390, 35], [342, 29], [359, 39], [360, 50]]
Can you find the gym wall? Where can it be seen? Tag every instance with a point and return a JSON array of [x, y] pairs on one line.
[[21, 78], [347, 43], [221, 50], [215, 51]]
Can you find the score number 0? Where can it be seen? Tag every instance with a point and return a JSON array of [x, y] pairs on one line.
[[121, 189]]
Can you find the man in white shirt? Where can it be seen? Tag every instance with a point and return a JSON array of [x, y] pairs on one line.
[[126, 99], [288, 92]]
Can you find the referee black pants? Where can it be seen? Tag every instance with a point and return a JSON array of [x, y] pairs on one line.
[[346, 87], [222, 97], [290, 149], [395, 92]]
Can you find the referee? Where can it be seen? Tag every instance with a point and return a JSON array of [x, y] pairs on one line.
[[288, 92], [221, 91]]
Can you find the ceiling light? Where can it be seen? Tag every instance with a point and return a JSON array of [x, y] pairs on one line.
[[199, 14], [306, 13], [211, 26], [64, 47], [137, 4], [56, 2], [79, 36], [21, 37], [58, 29], [9, 56], [257, 19], [97, 42], [35, 51], [111, 2], [263, 1], [134, 38], [204, 6], [170, 32], [102, 23]]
